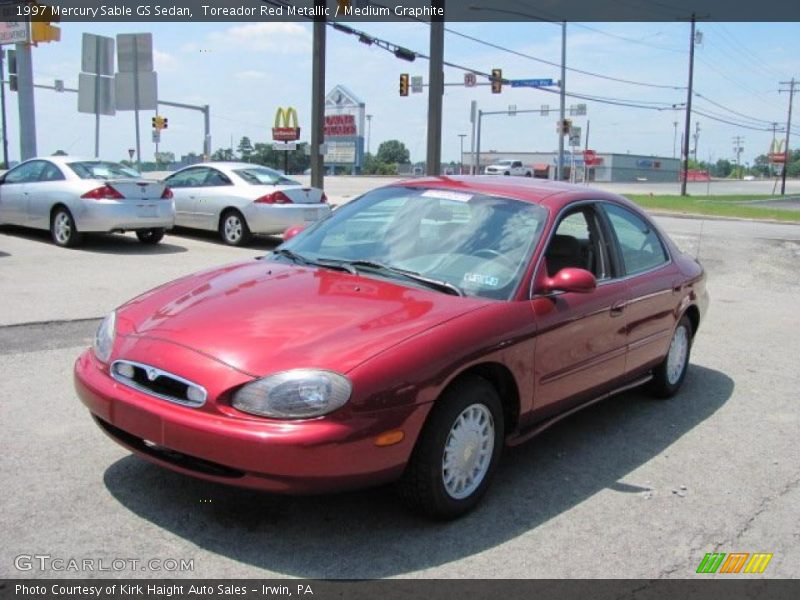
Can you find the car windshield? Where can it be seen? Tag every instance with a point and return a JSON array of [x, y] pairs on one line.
[[504, 162], [264, 176], [460, 242], [98, 169]]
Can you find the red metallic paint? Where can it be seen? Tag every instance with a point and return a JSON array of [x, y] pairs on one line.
[[399, 346]]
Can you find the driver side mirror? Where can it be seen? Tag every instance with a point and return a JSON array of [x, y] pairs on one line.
[[292, 231], [579, 281]]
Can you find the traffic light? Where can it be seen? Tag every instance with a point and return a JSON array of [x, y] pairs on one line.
[[12, 70], [154, 121], [159, 122], [164, 124], [497, 81], [404, 84], [44, 31], [564, 126]]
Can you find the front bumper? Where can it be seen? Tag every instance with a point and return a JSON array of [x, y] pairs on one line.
[[277, 218], [219, 444], [113, 215]]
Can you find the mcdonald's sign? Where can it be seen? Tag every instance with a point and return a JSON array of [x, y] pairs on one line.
[[736, 562], [777, 152], [285, 133]]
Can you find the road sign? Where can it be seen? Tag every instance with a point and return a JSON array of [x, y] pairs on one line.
[[512, 110], [470, 79], [97, 55], [574, 136], [416, 84], [12, 32], [156, 136], [134, 52], [131, 152], [58, 85], [589, 157], [580, 110], [532, 82], [285, 146], [545, 110], [96, 101], [125, 84]]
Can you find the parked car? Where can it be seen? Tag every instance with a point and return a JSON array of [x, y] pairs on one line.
[[239, 199], [509, 167], [71, 196], [408, 337]]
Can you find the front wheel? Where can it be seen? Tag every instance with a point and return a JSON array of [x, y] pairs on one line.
[[457, 453], [233, 228], [63, 230], [669, 375], [150, 236]]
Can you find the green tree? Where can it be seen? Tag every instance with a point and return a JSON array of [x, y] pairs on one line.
[[723, 168], [392, 152], [224, 154], [245, 148]]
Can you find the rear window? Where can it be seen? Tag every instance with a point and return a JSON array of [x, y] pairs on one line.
[[103, 170], [264, 176]]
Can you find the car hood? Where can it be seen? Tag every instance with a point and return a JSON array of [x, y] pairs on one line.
[[263, 317]]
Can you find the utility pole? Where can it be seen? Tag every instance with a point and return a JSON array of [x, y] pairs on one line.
[[674, 138], [27, 112], [461, 156], [369, 130], [3, 108], [318, 96], [562, 101], [696, 137], [772, 149], [792, 84], [737, 150], [435, 93], [688, 124]]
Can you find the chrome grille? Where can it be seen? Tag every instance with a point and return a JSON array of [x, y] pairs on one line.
[[159, 383]]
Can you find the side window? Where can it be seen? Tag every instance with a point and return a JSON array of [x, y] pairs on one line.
[[50, 172], [188, 178], [578, 243], [215, 178], [639, 244], [517, 163], [24, 173]]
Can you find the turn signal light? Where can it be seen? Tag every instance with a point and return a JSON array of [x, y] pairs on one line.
[[324, 198], [167, 195], [274, 198], [104, 192], [389, 438]]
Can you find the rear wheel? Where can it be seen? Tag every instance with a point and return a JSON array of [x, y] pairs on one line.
[[233, 228], [62, 228], [150, 236], [669, 375], [457, 452]]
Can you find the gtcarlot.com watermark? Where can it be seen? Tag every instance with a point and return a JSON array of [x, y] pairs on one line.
[[47, 562]]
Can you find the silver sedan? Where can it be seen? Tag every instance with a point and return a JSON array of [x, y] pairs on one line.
[[238, 199], [71, 196]]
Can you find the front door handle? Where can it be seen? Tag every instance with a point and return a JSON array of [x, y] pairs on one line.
[[617, 308]]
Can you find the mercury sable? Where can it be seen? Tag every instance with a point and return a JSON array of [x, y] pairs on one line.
[[408, 337]]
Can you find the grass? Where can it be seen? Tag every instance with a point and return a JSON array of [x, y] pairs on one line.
[[717, 206]]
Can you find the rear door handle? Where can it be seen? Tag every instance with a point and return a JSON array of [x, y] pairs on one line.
[[617, 308]]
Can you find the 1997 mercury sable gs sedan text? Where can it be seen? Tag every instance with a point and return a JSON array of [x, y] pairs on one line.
[[406, 337]]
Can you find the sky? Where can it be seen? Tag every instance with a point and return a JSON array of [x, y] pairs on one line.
[[245, 71]]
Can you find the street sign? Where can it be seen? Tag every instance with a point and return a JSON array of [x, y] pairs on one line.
[[416, 84], [580, 110], [59, 85], [125, 84], [545, 110], [589, 157], [131, 152], [532, 82], [156, 136], [96, 101], [574, 136], [134, 52], [12, 32], [285, 146], [470, 79], [473, 111], [97, 55], [512, 110]]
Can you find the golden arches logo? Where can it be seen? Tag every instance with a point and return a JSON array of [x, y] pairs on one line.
[[290, 130]]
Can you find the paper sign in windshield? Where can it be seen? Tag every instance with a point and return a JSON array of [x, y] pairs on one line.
[[446, 195]]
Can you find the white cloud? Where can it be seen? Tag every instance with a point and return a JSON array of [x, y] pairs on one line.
[[251, 75], [281, 38], [164, 62]]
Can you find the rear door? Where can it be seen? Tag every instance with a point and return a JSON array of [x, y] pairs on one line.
[[651, 277], [580, 347]]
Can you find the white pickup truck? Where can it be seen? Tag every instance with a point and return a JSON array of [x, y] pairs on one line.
[[509, 167]]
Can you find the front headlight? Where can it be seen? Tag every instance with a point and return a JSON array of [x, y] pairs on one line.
[[104, 338], [297, 394]]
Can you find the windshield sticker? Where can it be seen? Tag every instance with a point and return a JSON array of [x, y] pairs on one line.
[[480, 278], [445, 195]]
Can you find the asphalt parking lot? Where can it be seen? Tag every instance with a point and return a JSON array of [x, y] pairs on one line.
[[630, 488]]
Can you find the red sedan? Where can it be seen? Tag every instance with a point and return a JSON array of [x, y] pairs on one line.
[[407, 337]]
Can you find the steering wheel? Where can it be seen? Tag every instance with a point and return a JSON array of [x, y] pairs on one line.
[[492, 254]]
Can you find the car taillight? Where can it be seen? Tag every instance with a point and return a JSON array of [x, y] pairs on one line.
[[167, 194], [274, 198], [324, 198], [104, 192]]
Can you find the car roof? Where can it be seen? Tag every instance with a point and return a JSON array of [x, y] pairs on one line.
[[551, 194], [222, 164]]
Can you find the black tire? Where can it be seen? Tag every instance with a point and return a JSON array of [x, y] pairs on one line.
[[150, 236], [528, 174], [667, 380], [63, 231], [507, 173], [233, 228], [423, 486]]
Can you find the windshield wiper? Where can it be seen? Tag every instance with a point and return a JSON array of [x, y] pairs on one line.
[[444, 286], [328, 263], [293, 256]]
